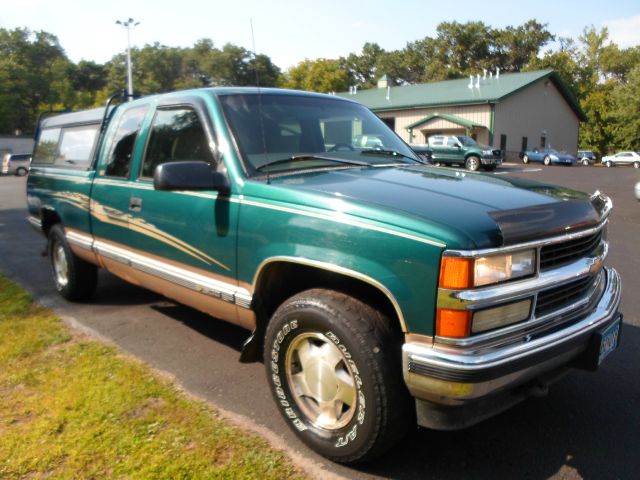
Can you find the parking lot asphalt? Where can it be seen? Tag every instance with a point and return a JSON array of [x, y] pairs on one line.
[[587, 427]]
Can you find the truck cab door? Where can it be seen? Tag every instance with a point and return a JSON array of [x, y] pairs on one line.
[[185, 241], [453, 150]]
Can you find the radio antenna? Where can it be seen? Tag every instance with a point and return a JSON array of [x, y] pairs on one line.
[[255, 68]]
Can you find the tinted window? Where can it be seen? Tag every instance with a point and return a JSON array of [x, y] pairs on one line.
[[20, 158], [176, 135], [76, 145], [47, 146], [123, 142]]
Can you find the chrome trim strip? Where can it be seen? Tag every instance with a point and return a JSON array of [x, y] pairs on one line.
[[533, 325], [504, 292], [179, 276], [343, 220], [468, 360], [335, 269], [35, 222], [80, 240], [527, 245]]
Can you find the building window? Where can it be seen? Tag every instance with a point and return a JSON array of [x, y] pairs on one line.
[[543, 141], [503, 142], [524, 143]]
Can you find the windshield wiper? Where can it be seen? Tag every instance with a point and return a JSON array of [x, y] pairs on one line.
[[390, 153], [295, 158]]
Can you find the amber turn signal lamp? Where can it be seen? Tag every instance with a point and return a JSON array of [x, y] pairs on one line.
[[453, 323], [456, 273]]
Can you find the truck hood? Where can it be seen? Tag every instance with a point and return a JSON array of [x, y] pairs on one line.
[[460, 209]]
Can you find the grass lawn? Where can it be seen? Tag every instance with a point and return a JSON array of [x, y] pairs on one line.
[[71, 407]]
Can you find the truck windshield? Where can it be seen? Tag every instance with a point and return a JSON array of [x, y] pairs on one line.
[[281, 129]]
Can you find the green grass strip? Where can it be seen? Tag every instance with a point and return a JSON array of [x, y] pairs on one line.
[[71, 407]]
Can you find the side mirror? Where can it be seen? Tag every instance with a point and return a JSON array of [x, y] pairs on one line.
[[189, 175]]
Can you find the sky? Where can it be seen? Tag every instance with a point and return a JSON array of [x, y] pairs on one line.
[[289, 32]]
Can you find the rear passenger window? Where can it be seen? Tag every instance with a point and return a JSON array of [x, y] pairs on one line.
[[124, 140], [76, 145], [47, 146], [176, 135]]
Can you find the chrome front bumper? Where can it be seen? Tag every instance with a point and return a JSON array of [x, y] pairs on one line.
[[454, 376]]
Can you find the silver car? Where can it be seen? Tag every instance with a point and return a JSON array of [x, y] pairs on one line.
[[622, 158], [16, 164]]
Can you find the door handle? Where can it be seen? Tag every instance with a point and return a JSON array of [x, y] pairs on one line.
[[135, 204]]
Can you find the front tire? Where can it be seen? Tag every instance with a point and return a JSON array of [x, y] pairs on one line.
[[636, 164], [21, 171], [608, 164], [585, 162], [472, 163], [546, 161], [525, 159], [334, 367], [74, 278]]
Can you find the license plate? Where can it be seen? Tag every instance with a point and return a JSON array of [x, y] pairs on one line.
[[609, 341]]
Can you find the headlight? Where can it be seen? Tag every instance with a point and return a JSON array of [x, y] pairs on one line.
[[487, 152], [461, 273], [498, 268]]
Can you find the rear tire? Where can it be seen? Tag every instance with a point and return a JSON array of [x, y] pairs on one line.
[[636, 164], [334, 368], [74, 278], [21, 172], [525, 159], [608, 164], [585, 162]]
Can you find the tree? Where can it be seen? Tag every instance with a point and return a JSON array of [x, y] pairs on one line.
[[33, 69], [321, 75]]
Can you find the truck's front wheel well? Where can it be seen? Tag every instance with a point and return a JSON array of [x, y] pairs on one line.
[[49, 219], [281, 280]]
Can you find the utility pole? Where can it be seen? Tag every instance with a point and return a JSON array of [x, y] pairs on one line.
[[128, 24]]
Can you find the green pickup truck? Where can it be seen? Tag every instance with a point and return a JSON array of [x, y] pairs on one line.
[[379, 292], [465, 151]]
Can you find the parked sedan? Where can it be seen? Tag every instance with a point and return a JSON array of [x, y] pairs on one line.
[[622, 158], [547, 156]]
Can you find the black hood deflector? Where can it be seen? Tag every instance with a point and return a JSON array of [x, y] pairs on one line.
[[528, 224]]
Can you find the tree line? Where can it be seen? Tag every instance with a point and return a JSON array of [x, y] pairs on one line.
[[36, 75]]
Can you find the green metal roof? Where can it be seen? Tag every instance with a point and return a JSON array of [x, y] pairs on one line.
[[457, 92], [463, 122]]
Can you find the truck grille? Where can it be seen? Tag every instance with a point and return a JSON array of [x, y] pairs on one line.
[[557, 254], [558, 297]]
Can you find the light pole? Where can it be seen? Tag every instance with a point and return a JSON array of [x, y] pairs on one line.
[[128, 24]]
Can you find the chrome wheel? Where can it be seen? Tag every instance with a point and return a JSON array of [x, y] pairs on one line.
[[546, 160], [636, 164], [321, 380], [60, 265], [472, 163], [525, 159], [585, 162], [608, 163]]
